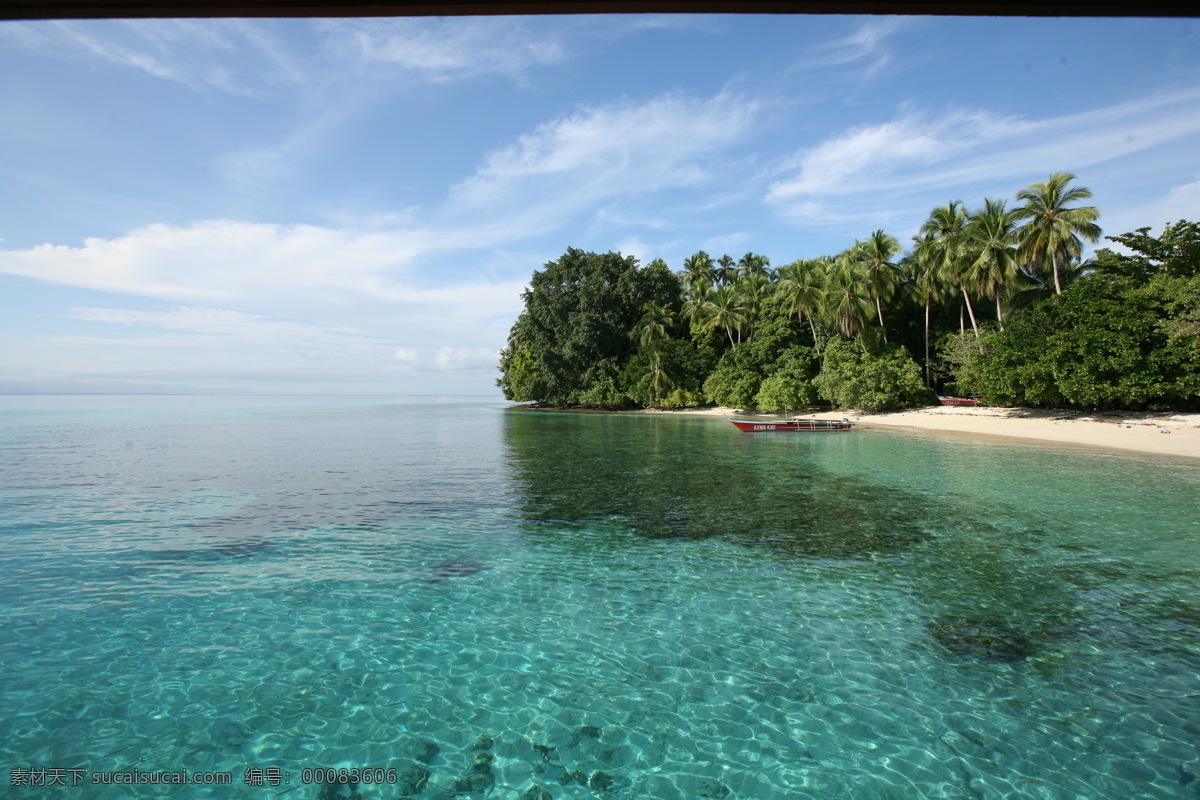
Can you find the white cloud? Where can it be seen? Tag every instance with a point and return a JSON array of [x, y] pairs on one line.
[[580, 160], [633, 246], [451, 49], [866, 43], [219, 260], [449, 359], [200, 54], [843, 164], [291, 296], [672, 21], [1176, 203], [720, 245], [873, 168]]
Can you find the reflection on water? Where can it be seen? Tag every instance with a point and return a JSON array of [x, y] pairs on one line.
[[982, 596], [533, 605]]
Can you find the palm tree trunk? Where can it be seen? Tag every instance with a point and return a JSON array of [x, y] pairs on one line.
[[971, 311], [999, 313], [927, 345], [1054, 261], [879, 308]]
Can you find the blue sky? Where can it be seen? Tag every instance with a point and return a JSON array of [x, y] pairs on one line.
[[354, 206]]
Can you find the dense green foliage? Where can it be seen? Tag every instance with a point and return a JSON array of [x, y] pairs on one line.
[[851, 378], [993, 301], [1176, 252], [1123, 337], [572, 340], [790, 382]]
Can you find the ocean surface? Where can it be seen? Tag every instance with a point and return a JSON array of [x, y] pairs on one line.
[[469, 601]]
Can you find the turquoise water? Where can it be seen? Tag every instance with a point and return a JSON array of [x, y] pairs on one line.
[[508, 604]]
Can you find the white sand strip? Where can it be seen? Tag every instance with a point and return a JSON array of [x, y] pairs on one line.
[[1158, 433]]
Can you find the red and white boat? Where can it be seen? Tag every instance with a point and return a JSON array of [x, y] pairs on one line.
[[794, 424], [961, 401]]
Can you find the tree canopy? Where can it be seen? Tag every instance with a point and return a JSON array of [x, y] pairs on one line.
[[574, 335], [991, 306]]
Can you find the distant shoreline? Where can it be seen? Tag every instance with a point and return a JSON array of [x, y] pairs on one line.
[[1142, 432]]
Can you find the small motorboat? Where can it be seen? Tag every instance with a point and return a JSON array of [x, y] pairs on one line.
[[793, 424], [961, 401]]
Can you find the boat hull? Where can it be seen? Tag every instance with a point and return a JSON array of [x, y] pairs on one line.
[[779, 426], [961, 401]]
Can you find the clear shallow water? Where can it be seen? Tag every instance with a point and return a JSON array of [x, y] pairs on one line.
[[623, 606]]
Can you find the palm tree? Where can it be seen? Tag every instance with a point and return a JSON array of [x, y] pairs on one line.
[[653, 326], [517, 335], [726, 269], [694, 303], [992, 234], [946, 227], [1055, 232], [697, 268], [754, 289], [754, 264], [725, 309], [924, 281], [876, 255], [801, 290], [656, 379], [847, 295]]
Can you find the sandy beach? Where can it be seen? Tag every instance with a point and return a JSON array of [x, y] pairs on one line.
[[1157, 433]]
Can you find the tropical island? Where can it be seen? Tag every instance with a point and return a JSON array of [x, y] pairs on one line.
[[996, 302]]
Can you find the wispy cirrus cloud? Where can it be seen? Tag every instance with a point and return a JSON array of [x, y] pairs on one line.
[[867, 44], [864, 156], [876, 167], [199, 54], [584, 158], [327, 78], [442, 50], [248, 57]]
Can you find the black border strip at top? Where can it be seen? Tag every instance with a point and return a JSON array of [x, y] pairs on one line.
[[144, 9]]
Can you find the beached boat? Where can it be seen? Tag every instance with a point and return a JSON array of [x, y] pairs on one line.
[[961, 401], [794, 424]]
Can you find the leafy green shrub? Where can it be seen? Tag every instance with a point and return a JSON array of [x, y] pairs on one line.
[[732, 385], [790, 383], [682, 398], [603, 393], [851, 378], [522, 379], [1106, 342]]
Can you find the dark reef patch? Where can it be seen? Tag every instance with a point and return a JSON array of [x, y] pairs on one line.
[[984, 640], [454, 568]]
